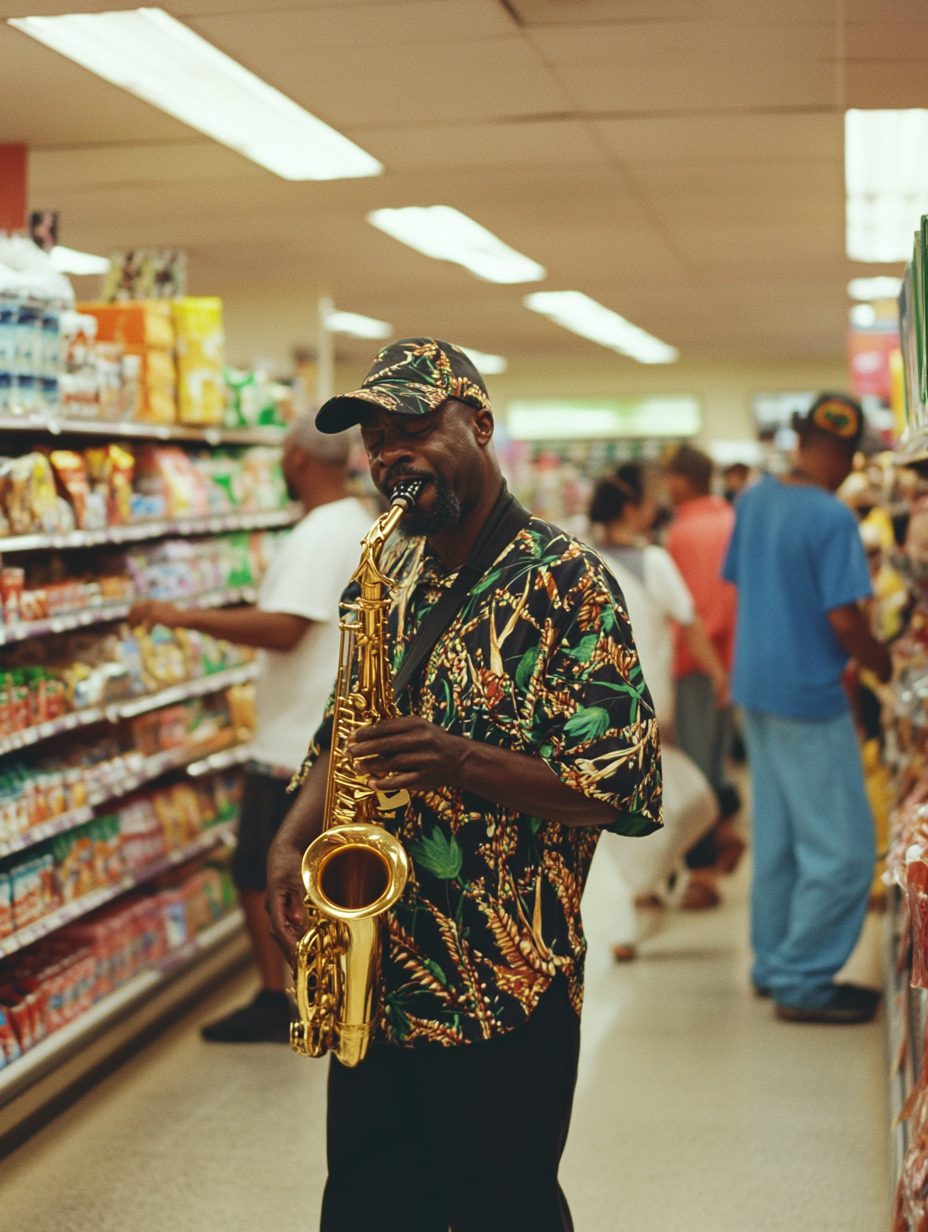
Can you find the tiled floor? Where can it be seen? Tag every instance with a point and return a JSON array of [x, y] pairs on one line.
[[695, 1110]]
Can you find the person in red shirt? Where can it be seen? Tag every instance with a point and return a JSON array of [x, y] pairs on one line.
[[697, 541]]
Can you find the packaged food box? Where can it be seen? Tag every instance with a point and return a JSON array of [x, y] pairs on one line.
[[200, 348]]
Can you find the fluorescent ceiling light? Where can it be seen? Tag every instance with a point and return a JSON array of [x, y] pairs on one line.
[[886, 176], [862, 316], [488, 365], [356, 325], [573, 419], [584, 316], [445, 233], [882, 287], [160, 60], [69, 261]]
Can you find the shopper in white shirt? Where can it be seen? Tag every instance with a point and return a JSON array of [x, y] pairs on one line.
[[625, 507], [295, 626]]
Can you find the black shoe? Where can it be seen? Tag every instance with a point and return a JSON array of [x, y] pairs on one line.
[[729, 801], [266, 1020], [848, 1003]]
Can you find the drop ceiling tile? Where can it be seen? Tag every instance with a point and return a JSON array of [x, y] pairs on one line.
[[482, 145], [902, 42], [681, 181], [750, 245], [885, 85], [49, 100], [668, 45], [537, 13], [294, 34], [699, 85], [878, 10], [758, 13], [100, 167], [725, 138], [200, 8], [451, 80]]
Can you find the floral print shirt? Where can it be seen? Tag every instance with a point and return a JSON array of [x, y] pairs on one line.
[[540, 660]]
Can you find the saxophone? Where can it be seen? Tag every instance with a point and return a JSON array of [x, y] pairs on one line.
[[355, 870]]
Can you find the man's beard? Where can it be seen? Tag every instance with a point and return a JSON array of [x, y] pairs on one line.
[[445, 513]]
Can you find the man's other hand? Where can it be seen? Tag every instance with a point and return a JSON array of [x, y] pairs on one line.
[[285, 898]]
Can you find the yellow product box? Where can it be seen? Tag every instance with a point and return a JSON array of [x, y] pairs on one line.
[[199, 342]]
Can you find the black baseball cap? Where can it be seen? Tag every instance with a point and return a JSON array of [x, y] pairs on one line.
[[411, 377], [836, 415]]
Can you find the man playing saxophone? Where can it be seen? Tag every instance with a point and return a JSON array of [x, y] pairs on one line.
[[526, 730]]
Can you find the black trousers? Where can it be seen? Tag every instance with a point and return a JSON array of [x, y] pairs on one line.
[[423, 1139]]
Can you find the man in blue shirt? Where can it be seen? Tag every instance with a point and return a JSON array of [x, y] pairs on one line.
[[797, 559]]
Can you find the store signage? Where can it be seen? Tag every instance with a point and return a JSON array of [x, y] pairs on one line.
[[675, 415]]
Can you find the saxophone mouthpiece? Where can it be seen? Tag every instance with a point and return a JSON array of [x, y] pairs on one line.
[[407, 492]]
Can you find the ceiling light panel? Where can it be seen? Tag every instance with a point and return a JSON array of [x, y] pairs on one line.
[[356, 325], [487, 365], [448, 235], [881, 287], [886, 176], [159, 59], [584, 316], [70, 261]]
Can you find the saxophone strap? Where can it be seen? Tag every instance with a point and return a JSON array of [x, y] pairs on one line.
[[506, 519]]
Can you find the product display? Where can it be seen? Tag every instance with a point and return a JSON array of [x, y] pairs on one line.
[[92, 768], [891, 499], [119, 757], [117, 485], [61, 977]]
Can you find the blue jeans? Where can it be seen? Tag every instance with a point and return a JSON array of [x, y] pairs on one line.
[[814, 852]]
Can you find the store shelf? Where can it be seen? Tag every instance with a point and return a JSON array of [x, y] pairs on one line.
[[141, 431], [149, 769], [97, 898], [109, 1009], [117, 611], [214, 524], [906, 1011], [114, 711], [223, 759]]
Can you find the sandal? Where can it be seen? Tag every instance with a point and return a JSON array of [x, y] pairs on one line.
[[730, 848], [699, 897]]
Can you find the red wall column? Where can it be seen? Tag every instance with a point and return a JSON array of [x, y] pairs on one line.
[[12, 187]]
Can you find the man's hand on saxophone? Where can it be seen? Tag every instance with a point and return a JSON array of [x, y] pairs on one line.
[[412, 753]]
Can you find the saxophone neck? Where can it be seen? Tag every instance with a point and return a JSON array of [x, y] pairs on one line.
[[368, 573]]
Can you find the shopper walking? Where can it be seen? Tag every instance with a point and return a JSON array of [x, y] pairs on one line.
[[295, 626], [797, 560], [528, 729], [625, 507], [698, 540]]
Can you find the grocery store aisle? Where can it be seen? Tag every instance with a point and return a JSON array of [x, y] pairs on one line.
[[695, 1109]]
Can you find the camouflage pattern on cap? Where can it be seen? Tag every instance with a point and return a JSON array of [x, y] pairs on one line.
[[411, 377]]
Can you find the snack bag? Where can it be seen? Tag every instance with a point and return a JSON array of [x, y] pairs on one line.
[[186, 807], [29, 496], [111, 469], [70, 470], [6, 905]]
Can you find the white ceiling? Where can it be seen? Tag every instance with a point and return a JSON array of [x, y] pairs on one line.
[[678, 160]]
